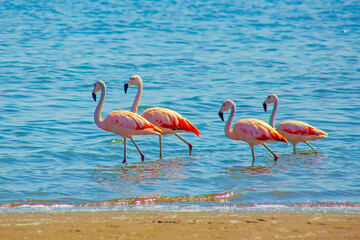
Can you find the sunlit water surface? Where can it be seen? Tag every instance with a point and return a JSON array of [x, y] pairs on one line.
[[191, 56]]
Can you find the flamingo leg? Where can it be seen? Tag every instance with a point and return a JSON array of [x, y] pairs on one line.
[[160, 147], [275, 156], [294, 147], [124, 161], [142, 155], [309, 145], [253, 155], [190, 146]]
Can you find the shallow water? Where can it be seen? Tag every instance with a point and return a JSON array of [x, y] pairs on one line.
[[191, 57]]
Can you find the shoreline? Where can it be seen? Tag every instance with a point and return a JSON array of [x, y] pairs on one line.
[[179, 225]]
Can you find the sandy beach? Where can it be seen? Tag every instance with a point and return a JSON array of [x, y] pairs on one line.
[[175, 225]]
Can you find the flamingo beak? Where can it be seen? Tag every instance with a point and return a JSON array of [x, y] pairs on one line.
[[221, 115], [94, 96], [265, 106], [126, 87]]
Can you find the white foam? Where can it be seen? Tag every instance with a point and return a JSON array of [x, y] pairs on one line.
[[187, 207]]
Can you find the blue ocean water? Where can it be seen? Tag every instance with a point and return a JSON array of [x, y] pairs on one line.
[[191, 55]]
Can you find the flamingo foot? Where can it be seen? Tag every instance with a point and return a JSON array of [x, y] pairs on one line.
[[275, 156], [190, 146], [142, 157], [124, 161]]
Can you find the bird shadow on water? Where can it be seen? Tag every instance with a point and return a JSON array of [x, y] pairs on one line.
[[312, 158], [304, 158], [123, 178], [251, 170]]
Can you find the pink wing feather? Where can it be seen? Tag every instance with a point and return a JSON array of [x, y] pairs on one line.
[[301, 128], [168, 119], [128, 120], [257, 129]]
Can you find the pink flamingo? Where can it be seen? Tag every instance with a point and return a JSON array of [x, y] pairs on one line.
[[122, 123], [252, 131], [168, 120], [294, 131]]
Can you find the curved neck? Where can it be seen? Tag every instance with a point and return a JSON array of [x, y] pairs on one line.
[[272, 117], [97, 115], [137, 98], [228, 131]]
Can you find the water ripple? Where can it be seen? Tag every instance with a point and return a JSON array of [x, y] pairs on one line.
[[191, 56]]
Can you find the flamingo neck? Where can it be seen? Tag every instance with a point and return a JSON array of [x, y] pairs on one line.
[[272, 117], [135, 105], [228, 131], [97, 115]]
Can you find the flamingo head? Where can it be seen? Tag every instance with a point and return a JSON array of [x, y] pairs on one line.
[[270, 99], [97, 87], [134, 80], [227, 104]]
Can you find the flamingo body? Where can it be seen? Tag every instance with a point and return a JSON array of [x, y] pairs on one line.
[[251, 131], [294, 131], [255, 132], [127, 124], [122, 123], [168, 120]]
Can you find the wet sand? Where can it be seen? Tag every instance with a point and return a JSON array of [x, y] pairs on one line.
[[175, 225]]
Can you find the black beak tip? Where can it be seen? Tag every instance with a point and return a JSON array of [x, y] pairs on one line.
[[221, 115], [126, 87], [265, 106], [94, 96]]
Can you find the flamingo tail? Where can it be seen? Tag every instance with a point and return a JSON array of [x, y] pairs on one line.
[[189, 127], [281, 138]]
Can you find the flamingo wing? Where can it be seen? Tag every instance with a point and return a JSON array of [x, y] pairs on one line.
[[169, 120], [301, 129], [126, 124], [254, 130]]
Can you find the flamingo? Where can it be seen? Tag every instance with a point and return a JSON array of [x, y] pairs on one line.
[[251, 131], [294, 131], [168, 120], [122, 123]]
